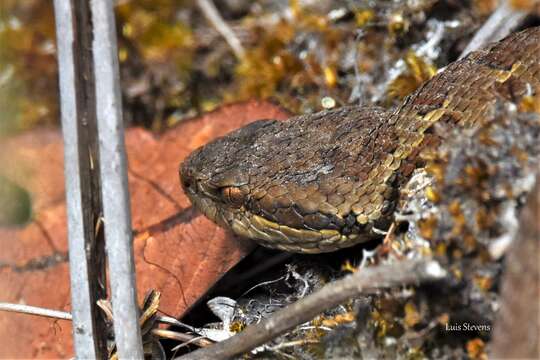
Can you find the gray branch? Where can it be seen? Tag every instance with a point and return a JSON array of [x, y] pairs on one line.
[[34, 310], [212, 15], [500, 24]]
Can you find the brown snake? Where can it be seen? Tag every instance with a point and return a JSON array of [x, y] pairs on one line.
[[325, 181]]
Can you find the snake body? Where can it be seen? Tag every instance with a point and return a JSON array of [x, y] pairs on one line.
[[329, 180]]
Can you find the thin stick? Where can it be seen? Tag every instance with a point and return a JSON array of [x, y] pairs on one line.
[[293, 343], [200, 341], [74, 33], [114, 183], [500, 24], [212, 15], [331, 295], [34, 310]]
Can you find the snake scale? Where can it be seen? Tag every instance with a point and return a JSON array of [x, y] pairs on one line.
[[329, 180]]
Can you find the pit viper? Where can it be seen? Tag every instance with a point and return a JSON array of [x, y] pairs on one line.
[[324, 181]]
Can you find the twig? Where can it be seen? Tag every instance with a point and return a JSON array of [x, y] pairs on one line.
[[293, 343], [212, 15], [200, 341], [34, 310], [333, 294], [500, 23]]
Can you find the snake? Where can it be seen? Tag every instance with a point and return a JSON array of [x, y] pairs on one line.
[[329, 180]]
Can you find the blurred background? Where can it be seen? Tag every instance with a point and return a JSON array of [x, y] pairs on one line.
[[175, 64]]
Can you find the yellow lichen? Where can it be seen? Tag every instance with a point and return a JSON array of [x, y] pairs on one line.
[[484, 283], [418, 70], [363, 17], [427, 227], [347, 266], [398, 24], [412, 316], [476, 349], [237, 326], [432, 195], [339, 319]]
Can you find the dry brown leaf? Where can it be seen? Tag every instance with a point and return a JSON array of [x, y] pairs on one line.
[[178, 251]]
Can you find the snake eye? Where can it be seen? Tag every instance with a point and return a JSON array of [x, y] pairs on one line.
[[232, 195]]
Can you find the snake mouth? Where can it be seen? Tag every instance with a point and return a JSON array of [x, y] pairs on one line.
[[271, 234], [224, 206], [283, 237]]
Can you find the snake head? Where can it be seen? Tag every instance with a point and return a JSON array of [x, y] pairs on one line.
[[303, 185]]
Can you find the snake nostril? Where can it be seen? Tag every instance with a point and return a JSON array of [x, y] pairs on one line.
[[185, 179], [186, 183]]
